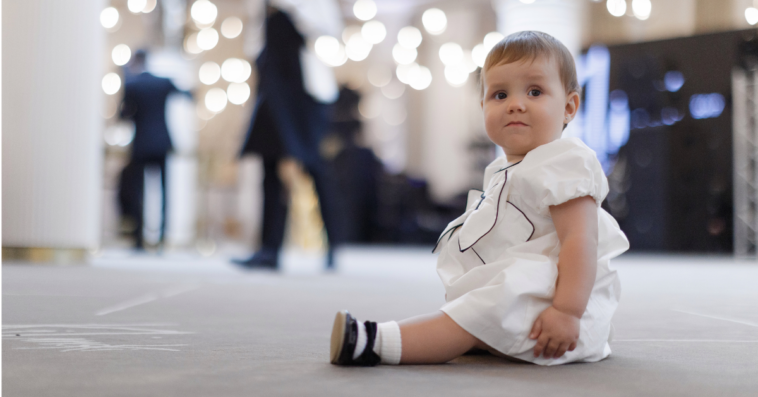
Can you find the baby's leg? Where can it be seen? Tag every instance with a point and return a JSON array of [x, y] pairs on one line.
[[434, 339]]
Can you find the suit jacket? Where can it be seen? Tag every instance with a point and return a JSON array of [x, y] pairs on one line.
[[286, 120], [145, 103]]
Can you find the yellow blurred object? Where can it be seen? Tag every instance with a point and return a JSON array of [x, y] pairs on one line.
[[305, 227]]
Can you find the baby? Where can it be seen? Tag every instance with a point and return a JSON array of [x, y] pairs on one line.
[[526, 267]]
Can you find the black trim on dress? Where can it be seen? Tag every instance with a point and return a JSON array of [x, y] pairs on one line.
[[477, 254], [527, 219], [497, 213], [452, 229], [503, 169]]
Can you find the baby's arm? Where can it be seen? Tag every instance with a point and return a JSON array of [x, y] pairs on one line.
[[557, 328]]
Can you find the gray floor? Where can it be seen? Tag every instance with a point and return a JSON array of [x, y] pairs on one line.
[[180, 325]]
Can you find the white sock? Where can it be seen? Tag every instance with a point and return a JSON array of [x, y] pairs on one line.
[[360, 344], [388, 344]]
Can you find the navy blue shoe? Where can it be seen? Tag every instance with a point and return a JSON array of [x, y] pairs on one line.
[[263, 259], [344, 338]]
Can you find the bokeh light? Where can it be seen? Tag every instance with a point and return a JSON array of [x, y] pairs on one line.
[[209, 73], [215, 99], [204, 12], [479, 55], [409, 37], [238, 93], [327, 48], [434, 21], [456, 75], [235, 70], [358, 48], [393, 90], [136, 6], [379, 76], [490, 40], [617, 8], [340, 57], [121, 54], [231, 27], [190, 44], [349, 31], [370, 106], [111, 83], [207, 38], [364, 9], [751, 15], [420, 78], [149, 6], [374, 32], [642, 9], [403, 55], [404, 72], [109, 17], [202, 112], [468, 63], [451, 54]]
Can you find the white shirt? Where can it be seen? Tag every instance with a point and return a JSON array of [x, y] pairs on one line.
[[498, 261]]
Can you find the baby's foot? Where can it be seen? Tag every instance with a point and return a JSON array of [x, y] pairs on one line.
[[352, 342]]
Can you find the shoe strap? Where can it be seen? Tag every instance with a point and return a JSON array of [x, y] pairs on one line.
[[369, 358]]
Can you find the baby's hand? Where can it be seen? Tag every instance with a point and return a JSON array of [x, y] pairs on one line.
[[555, 332]]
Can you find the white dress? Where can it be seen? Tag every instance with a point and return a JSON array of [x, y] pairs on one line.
[[498, 261]]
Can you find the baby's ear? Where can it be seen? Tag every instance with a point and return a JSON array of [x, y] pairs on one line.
[[572, 104]]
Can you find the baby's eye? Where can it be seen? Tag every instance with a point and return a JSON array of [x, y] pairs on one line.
[[535, 92], [500, 95]]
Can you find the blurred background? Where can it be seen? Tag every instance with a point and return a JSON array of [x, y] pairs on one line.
[[668, 105]]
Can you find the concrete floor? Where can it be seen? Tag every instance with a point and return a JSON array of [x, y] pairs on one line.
[[179, 325]]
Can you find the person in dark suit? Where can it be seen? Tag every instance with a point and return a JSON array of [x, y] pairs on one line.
[[288, 121], [144, 103]]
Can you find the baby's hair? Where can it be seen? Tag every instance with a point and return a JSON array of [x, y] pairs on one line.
[[531, 45]]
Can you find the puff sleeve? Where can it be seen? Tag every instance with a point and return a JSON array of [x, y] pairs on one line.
[[560, 171]]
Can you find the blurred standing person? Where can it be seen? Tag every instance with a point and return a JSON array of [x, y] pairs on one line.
[[144, 103], [291, 116]]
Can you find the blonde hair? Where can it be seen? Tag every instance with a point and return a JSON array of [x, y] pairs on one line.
[[531, 45]]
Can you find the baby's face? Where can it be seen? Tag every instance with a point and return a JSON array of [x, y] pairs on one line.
[[525, 105]]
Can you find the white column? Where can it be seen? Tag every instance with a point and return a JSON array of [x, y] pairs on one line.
[[52, 154], [562, 19]]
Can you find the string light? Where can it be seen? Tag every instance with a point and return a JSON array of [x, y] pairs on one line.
[[374, 32], [364, 9], [238, 93], [209, 73], [215, 100], [434, 21], [149, 6], [136, 6], [617, 8], [751, 15], [231, 27], [204, 12], [111, 83], [642, 9], [207, 38], [451, 53], [235, 70], [190, 44], [109, 17], [403, 55], [121, 54]]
